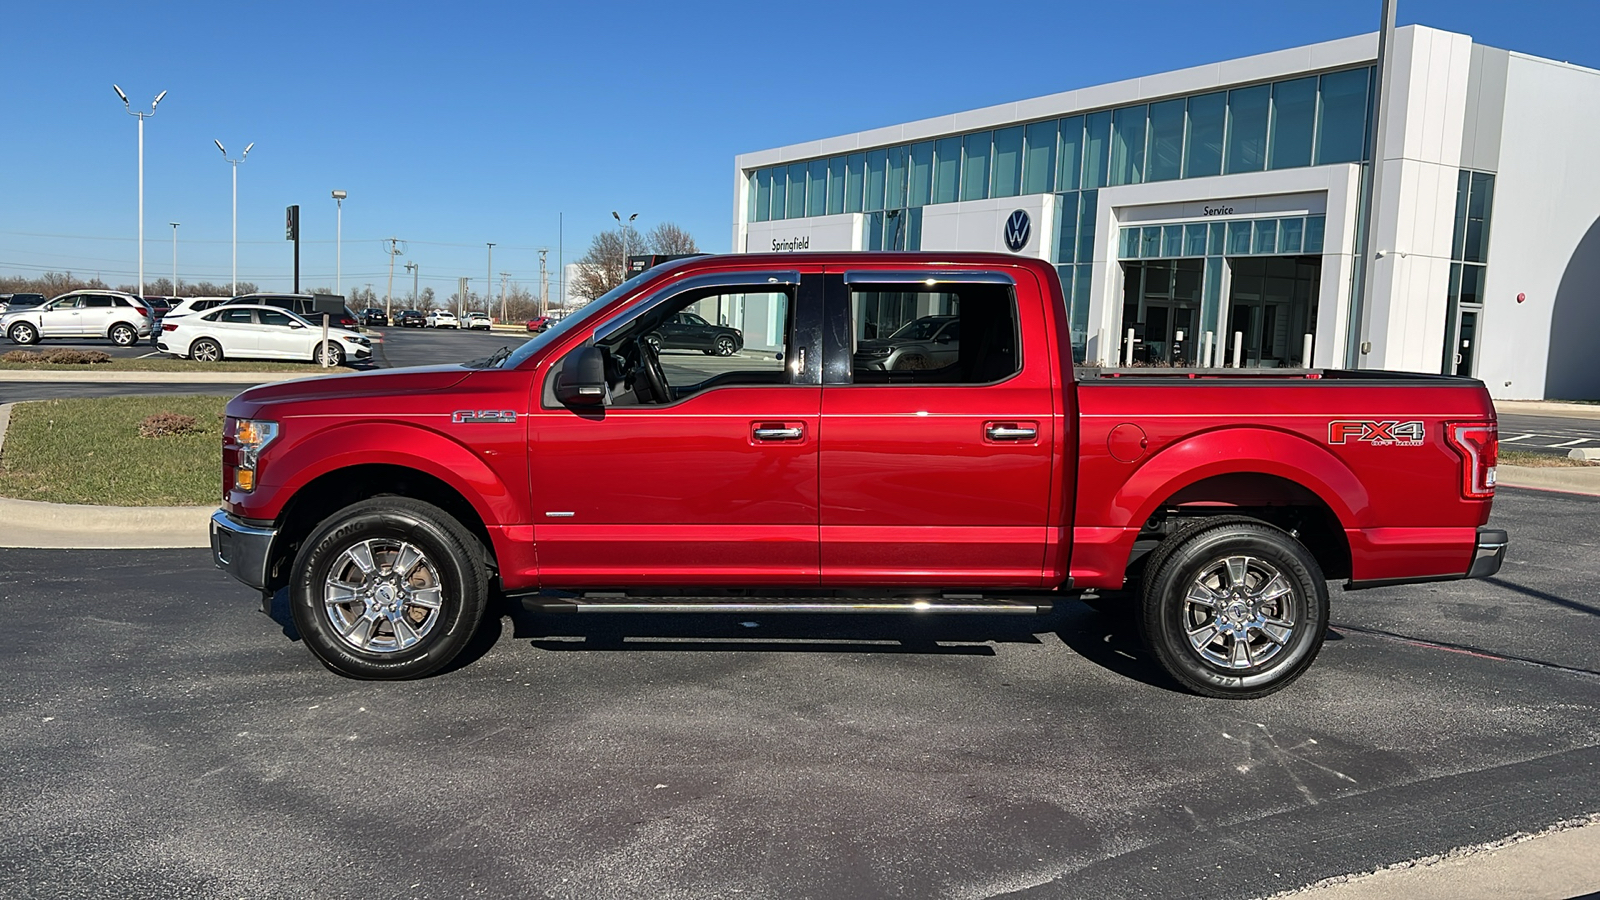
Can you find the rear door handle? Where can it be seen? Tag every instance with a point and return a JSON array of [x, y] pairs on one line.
[[774, 431], [1010, 431]]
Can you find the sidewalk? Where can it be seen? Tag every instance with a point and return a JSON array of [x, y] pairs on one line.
[[66, 526], [1547, 408], [1558, 864]]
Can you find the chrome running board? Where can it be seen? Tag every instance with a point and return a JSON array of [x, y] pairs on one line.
[[593, 603]]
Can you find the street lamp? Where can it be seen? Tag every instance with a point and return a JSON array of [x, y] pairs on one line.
[[338, 253], [174, 258], [142, 115], [488, 281], [235, 162], [416, 298], [623, 227]]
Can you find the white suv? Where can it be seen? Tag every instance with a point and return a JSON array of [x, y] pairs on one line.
[[121, 317], [443, 318]]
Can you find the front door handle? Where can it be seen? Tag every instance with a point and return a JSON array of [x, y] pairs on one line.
[[1010, 431], [779, 432]]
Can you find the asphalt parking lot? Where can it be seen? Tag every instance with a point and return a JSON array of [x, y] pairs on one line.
[[164, 739]]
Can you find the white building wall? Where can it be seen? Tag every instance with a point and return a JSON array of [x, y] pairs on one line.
[[1419, 143], [1544, 237]]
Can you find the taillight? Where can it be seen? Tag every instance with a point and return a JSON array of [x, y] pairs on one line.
[[169, 326], [1479, 446]]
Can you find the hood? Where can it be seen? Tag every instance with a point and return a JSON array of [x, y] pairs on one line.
[[385, 382]]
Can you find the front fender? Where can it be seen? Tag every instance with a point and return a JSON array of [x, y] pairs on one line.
[[1230, 451], [387, 443]]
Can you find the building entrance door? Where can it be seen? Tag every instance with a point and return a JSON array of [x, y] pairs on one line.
[[1272, 307], [1161, 304], [1461, 342]]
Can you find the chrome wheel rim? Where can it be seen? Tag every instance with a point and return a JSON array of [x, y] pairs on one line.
[[724, 347], [1238, 612], [205, 351], [122, 337], [382, 596], [22, 334]]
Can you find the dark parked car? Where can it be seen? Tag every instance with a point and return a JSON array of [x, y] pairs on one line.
[[21, 301], [687, 331], [301, 304], [374, 316], [931, 342], [410, 318]]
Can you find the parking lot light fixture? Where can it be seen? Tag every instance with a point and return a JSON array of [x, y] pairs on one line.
[[235, 163], [142, 115], [338, 238], [174, 258]]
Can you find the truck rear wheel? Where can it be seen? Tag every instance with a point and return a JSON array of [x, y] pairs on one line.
[[1234, 610], [388, 588]]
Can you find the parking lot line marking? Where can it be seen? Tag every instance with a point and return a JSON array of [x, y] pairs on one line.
[[1519, 437], [150, 354], [1570, 443]]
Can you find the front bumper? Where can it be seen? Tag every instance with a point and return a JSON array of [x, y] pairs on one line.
[[241, 550]]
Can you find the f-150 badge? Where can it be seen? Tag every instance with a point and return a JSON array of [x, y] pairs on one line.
[[481, 416], [1378, 434]]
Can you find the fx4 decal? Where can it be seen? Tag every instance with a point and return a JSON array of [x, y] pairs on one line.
[[481, 416], [1378, 434]]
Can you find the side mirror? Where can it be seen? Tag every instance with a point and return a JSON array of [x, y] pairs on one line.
[[295, 325], [943, 339], [582, 380]]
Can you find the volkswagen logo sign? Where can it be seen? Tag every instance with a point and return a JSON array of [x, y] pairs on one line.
[[1018, 230]]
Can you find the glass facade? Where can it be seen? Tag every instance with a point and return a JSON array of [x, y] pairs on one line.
[[1307, 121], [1284, 236]]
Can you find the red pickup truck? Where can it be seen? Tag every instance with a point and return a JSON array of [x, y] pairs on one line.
[[602, 469]]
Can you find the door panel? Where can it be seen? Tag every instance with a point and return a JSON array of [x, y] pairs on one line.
[[277, 338], [718, 487], [945, 482], [62, 319]]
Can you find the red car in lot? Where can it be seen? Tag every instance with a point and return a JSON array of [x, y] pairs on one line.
[[540, 324], [1218, 503]]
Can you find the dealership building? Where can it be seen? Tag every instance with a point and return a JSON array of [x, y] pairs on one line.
[[1213, 215]]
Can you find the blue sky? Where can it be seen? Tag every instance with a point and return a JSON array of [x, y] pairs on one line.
[[455, 124]]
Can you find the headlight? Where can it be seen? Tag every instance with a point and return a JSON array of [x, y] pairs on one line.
[[876, 351], [251, 436]]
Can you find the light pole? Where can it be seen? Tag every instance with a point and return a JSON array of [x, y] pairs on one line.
[[235, 164], [338, 252], [623, 227], [416, 298], [174, 258], [488, 280], [142, 115]]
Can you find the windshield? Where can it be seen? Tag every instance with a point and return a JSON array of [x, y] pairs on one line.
[[920, 330], [571, 321]]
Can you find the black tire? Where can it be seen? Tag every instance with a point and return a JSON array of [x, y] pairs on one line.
[[1259, 582], [23, 333], [910, 362], [654, 341], [124, 335], [726, 346], [451, 571], [334, 351], [205, 350]]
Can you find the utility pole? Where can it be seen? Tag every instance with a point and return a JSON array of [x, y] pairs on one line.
[[544, 285], [503, 277], [388, 300]]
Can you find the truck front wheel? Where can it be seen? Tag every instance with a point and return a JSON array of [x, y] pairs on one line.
[[1237, 610], [388, 588]]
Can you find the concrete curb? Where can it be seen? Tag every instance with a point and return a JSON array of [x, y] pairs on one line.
[[1567, 479], [37, 375], [30, 523]]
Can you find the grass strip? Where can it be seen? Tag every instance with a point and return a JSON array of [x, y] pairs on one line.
[[1539, 460], [89, 451], [167, 364]]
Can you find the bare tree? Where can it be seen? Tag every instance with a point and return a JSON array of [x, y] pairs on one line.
[[603, 266], [668, 239], [427, 301]]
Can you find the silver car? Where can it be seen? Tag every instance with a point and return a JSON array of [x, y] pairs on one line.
[[123, 318]]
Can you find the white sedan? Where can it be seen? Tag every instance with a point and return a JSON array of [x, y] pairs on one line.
[[479, 321], [258, 332], [443, 318]]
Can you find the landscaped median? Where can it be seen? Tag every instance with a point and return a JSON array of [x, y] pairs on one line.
[[110, 472]]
